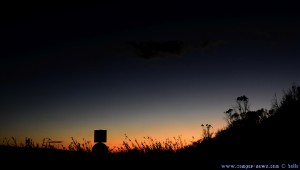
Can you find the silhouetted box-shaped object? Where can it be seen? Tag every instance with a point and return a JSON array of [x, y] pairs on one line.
[[100, 135]]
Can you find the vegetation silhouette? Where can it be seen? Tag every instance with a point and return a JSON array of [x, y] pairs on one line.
[[251, 137]]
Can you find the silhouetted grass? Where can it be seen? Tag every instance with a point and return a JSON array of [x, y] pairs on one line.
[[86, 146], [28, 143], [149, 144]]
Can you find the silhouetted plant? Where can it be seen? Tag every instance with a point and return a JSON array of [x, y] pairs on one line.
[[7, 142], [80, 147], [291, 95], [242, 106], [47, 143], [290, 99], [240, 114], [239, 111], [207, 134], [287, 109], [29, 143], [274, 104], [10, 142]]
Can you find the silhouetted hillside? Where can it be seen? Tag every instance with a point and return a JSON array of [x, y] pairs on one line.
[[256, 137], [251, 137]]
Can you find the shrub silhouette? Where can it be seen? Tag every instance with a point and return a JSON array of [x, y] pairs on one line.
[[269, 135], [207, 134]]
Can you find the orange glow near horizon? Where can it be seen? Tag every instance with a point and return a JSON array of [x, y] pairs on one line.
[[115, 139]]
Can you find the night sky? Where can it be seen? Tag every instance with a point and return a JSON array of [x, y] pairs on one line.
[[158, 70]]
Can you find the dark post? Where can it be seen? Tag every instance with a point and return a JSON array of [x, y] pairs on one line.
[[100, 149]]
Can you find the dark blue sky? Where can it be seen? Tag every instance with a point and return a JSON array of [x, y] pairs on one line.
[[156, 70]]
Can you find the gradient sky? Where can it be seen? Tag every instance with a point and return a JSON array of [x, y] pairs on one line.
[[158, 70]]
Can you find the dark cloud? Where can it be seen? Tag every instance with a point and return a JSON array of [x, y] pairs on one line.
[[172, 48], [152, 49]]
